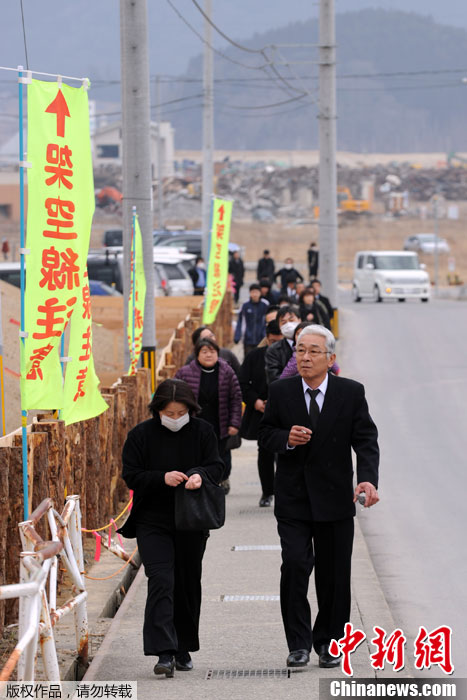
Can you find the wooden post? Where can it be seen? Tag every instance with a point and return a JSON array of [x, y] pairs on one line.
[[15, 516], [93, 481], [129, 382], [75, 459], [4, 510], [56, 459]]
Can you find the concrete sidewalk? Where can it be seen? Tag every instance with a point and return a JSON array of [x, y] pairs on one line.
[[240, 635]]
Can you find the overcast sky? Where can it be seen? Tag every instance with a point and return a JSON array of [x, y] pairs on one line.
[[82, 37]]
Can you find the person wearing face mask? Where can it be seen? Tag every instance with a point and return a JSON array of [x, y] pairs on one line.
[[198, 276], [286, 273], [277, 356], [173, 449], [217, 391]]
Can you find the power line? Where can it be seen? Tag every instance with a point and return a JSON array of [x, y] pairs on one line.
[[219, 31], [275, 104], [24, 36], [219, 53], [262, 52]]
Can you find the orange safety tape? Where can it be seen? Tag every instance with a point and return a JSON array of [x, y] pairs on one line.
[[104, 527], [105, 578]]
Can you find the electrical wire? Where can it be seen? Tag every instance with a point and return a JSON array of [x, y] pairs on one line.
[[216, 51], [219, 31], [24, 36], [269, 64], [275, 104]]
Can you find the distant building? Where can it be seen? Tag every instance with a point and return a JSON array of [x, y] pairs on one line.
[[107, 147]]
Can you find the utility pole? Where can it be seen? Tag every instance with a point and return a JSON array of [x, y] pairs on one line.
[[208, 132], [160, 173], [327, 151], [136, 163], [435, 200]]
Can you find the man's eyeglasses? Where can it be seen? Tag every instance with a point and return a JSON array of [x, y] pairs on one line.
[[301, 352]]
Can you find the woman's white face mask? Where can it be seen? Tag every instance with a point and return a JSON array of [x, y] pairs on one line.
[[175, 424], [288, 329]]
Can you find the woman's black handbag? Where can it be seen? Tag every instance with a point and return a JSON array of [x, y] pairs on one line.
[[200, 509], [233, 442]]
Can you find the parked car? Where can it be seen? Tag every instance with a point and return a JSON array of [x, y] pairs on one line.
[[185, 241], [101, 289], [11, 272], [170, 271], [389, 274], [426, 243], [113, 237]]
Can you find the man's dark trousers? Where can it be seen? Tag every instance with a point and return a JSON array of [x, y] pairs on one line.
[[332, 544]]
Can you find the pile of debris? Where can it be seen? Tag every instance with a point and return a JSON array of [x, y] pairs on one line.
[[267, 192]]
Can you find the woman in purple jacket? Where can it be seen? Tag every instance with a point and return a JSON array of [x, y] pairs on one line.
[[217, 391]]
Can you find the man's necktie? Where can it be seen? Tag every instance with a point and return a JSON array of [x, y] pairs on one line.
[[314, 408]]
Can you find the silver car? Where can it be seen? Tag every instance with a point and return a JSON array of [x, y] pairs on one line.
[[426, 243]]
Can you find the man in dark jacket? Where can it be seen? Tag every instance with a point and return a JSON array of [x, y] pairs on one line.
[[237, 270], [313, 421], [313, 259], [253, 312], [255, 392], [277, 356], [265, 267], [316, 286], [198, 276], [287, 272], [267, 293]]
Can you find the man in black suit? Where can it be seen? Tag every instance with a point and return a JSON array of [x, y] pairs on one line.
[[313, 421], [255, 393]]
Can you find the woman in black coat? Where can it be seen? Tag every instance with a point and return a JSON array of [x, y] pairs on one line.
[[174, 449]]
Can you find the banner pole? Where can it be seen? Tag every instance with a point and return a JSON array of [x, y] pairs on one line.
[[133, 284], [24, 414]]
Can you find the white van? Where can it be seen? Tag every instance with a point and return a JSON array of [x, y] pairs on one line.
[[389, 274]]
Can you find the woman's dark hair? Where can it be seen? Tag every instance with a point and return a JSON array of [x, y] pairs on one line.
[[303, 294], [195, 336], [300, 327], [173, 390], [205, 343]]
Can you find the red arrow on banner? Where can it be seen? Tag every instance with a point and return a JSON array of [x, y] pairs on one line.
[[60, 108], [221, 212]]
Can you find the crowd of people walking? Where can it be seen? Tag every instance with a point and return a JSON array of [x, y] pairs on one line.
[[305, 419]]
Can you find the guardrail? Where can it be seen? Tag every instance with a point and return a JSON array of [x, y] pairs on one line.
[[38, 612]]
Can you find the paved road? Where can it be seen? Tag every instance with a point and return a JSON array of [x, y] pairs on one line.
[[412, 359]]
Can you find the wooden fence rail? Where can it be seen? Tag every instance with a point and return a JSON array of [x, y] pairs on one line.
[[83, 458]]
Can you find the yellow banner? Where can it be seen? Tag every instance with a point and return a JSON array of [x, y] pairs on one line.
[[60, 210], [218, 258], [82, 398], [137, 297]]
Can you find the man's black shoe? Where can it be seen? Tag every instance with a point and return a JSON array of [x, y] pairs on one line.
[[165, 666], [183, 661], [326, 660], [265, 501], [300, 657]]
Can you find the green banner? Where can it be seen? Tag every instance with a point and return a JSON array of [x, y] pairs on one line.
[[137, 297], [60, 210], [218, 258], [82, 398]]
